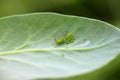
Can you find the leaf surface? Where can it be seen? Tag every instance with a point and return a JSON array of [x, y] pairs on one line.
[[28, 49]]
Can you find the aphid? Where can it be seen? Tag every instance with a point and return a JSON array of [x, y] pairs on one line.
[[66, 39], [69, 38], [60, 41]]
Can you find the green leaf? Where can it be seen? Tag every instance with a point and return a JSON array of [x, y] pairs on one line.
[[28, 49]]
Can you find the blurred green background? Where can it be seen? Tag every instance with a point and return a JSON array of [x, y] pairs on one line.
[[105, 10]]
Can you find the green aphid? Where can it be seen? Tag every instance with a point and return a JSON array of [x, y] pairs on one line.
[[60, 41], [69, 38]]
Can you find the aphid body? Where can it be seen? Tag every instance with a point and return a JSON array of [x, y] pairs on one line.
[[69, 38], [59, 41]]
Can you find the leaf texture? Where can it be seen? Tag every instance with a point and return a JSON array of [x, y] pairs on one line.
[[28, 49]]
